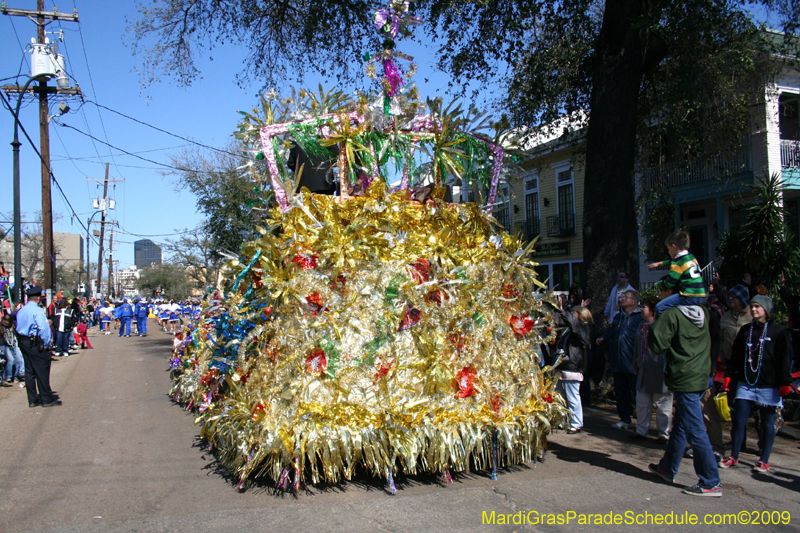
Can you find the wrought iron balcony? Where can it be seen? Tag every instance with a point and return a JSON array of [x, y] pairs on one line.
[[684, 172], [561, 224], [790, 153]]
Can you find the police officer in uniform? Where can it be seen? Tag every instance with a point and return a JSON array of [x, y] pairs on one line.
[[31, 323]]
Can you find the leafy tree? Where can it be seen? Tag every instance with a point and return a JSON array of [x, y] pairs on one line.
[[692, 68], [762, 245], [32, 244], [194, 251], [224, 196], [167, 279]]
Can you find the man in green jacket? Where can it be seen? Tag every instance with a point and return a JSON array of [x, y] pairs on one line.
[[681, 333]]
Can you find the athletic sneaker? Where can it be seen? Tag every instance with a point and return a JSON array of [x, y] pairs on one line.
[[761, 466], [619, 425], [697, 490], [654, 468], [728, 462]]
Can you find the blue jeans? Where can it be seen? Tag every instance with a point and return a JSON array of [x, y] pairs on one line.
[[13, 357], [625, 394], [141, 323], [124, 326], [62, 341], [687, 425], [767, 427], [571, 391], [676, 300]]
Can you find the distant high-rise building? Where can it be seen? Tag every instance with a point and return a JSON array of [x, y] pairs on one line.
[[146, 253]]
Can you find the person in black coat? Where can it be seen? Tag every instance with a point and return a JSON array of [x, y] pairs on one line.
[[574, 342], [63, 321], [760, 361]]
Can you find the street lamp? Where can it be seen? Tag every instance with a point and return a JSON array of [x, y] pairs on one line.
[[17, 229]]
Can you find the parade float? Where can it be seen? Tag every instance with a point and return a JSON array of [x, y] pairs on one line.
[[382, 329]]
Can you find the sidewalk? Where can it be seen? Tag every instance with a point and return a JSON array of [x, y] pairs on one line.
[[120, 456]]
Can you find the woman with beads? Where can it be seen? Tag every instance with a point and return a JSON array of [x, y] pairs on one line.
[[760, 360]]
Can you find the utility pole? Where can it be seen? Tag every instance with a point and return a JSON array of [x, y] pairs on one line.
[[111, 291], [42, 18], [102, 232], [102, 204], [44, 149]]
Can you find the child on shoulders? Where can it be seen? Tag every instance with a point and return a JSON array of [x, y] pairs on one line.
[[684, 274]]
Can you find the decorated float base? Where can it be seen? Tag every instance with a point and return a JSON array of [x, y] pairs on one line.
[[379, 334]]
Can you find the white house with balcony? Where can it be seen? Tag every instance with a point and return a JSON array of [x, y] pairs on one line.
[[709, 196]]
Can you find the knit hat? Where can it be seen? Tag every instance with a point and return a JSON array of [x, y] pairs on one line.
[[763, 301], [741, 292]]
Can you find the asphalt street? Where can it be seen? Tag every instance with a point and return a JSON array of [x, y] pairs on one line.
[[119, 456]]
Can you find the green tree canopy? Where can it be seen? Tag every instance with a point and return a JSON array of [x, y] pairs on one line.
[[689, 71], [224, 196], [167, 279], [762, 244]]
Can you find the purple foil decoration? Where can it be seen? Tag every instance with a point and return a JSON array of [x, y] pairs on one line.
[[283, 480], [382, 16], [391, 488], [392, 73]]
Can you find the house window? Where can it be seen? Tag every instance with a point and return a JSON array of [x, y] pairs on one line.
[[566, 201], [502, 213], [532, 207], [542, 273], [561, 275]]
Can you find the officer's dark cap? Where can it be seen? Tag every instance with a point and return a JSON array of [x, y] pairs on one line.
[[34, 291]]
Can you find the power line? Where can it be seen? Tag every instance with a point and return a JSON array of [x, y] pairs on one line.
[[94, 91], [162, 130], [173, 167], [123, 231], [49, 170], [24, 57], [88, 158]]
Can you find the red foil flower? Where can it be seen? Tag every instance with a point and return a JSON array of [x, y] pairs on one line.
[[307, 261], [547, 397], [316, 362], [338, 285], [383, 370], [465, 382], [435, 297], [209, 376], [410, 318], [458, 341], [421, 270], [510, 291], [315, 303], [521, 325], [257, 410]]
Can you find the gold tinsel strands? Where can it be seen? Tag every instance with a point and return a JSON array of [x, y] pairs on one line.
[[378, 333]]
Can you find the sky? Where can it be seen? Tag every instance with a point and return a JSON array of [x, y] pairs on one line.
[[148, 204]]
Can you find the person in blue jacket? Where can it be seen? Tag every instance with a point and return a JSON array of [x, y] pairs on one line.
[[125, 316], [140, 311], [621, 337]]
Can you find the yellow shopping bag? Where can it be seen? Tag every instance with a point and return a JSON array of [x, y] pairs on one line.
[[724, 411]]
